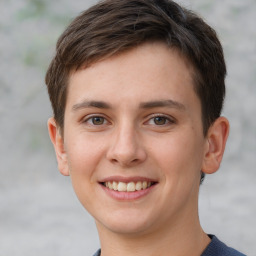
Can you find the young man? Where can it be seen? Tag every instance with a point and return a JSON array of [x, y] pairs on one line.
[[137, 88]]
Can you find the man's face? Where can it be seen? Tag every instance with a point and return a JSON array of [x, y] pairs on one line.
[[133, 140]]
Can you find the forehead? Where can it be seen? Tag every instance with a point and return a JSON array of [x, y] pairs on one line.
[[151, 70]]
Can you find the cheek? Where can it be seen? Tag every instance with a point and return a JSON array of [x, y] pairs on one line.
[[83, 155], [179, 155]]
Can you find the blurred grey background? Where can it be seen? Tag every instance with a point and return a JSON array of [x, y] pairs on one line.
[[39, 213]]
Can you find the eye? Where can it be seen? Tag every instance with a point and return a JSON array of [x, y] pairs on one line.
[[160, 120], [96, 120]]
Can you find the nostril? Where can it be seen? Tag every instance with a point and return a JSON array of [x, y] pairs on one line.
[[114, 161], [125, 162]]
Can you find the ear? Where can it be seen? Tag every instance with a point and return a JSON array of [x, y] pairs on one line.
[[215, 145], [58, 143]]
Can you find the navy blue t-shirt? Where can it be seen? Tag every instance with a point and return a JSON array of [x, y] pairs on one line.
[[215, 248]]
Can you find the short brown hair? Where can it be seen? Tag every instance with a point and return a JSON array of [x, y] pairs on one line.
[[114, 26]]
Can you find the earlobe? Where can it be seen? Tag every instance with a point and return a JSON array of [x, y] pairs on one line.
[[216, 141], [58, 143]]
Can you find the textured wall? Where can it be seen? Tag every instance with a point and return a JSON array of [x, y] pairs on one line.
[[39, 213]]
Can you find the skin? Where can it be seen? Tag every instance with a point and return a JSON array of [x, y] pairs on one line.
[[126, 141]]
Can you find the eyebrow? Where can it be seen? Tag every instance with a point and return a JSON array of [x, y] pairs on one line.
[[163, 103], [91, 104], [144, 105]]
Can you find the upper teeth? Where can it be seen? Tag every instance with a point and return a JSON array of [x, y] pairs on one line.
[[127, 187]]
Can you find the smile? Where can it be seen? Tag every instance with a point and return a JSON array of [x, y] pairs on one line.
[[128, 187]]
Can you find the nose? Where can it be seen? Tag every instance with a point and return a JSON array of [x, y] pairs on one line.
[[126, 147]]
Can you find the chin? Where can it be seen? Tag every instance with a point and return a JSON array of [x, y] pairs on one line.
[[127, 229], [125, 224]]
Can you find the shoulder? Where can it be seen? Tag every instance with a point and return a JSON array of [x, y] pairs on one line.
[[97, 253], [218, 248], [215, 248]]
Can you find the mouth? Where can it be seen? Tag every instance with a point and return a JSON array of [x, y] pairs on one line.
[[131, 186]]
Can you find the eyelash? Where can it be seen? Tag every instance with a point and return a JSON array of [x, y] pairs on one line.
[[167, 120], [90, 120]]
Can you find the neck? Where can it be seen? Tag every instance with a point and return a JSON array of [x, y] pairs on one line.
[[186, 238]]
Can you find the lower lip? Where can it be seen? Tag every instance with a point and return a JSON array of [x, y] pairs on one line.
[[127, 196]]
